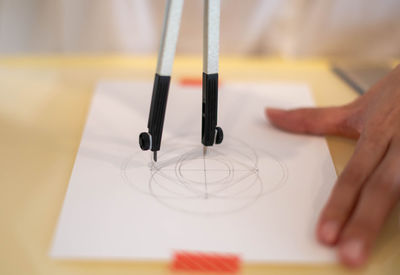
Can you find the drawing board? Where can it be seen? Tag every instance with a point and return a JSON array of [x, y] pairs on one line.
[[257, 195]]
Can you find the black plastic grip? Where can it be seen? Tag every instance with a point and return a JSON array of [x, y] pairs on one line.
[[209, 108], [157, 110]]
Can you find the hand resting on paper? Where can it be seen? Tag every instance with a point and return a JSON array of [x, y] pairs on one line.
[[369, 187]]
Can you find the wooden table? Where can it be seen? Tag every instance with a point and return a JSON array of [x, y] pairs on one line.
[[43, 105]]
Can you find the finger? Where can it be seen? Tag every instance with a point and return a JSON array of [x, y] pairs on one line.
[[318, 121], [380, 195], [368, 153]]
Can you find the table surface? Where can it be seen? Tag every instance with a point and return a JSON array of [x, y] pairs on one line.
[[44, 101]]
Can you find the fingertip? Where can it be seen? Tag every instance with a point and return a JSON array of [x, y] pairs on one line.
[[273, 112], [352, 253], [327, 232]]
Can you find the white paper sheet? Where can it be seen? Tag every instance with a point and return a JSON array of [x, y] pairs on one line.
[[257, 195]]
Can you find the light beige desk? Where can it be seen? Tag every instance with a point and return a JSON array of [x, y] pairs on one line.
[[43, 105]]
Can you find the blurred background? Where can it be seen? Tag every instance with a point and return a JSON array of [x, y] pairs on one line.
[[362, 29]]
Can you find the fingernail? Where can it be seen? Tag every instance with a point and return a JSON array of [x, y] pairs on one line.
[[352, 252], [329, 231]]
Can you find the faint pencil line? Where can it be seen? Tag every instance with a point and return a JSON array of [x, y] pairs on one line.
[[201, 170], [205, 174]]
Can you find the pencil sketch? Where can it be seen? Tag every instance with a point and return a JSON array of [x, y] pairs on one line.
[[226, 179]]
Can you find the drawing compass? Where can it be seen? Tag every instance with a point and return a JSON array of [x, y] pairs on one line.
[[210, 133]]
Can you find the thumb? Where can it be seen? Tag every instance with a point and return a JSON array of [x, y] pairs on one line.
[[317, 121]]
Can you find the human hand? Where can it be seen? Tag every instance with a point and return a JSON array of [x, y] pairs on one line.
[[369, 187]]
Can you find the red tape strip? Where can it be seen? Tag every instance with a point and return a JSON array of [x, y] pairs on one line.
[[187, 81], [205, 262], [190, 81]]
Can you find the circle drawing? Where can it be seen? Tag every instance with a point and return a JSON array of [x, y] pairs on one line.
[[228, 178]]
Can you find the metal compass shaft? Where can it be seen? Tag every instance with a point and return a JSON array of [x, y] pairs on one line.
[[210, 132], [152, 139]]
